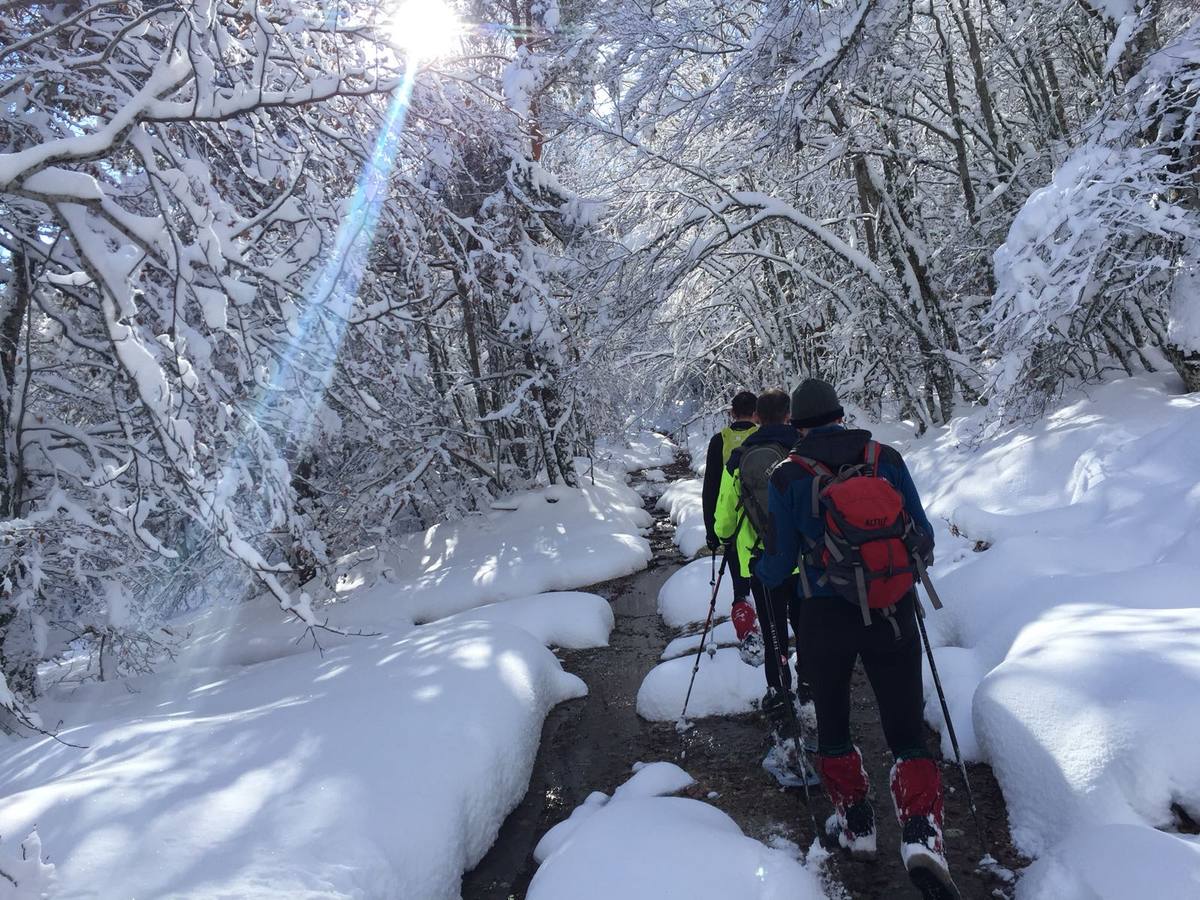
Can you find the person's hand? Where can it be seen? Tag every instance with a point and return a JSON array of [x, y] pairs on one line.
[[714, 543]]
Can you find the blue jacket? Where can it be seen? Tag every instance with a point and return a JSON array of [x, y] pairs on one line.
[[790, 497]]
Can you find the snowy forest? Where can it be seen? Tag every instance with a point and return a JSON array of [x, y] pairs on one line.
[[284, 283]]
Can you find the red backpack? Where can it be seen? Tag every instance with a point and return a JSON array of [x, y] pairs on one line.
[[872, 555]]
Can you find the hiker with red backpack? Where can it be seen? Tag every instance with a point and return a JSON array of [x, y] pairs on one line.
[[844, 509], [720, 448], [741, 516]]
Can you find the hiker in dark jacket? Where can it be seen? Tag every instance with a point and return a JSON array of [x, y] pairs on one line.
[[720, 448], [832, 636]]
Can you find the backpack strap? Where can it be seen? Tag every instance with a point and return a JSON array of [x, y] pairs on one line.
[[872, 457], [820, 474]]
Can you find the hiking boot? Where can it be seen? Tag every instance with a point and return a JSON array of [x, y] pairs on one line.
[[853, 820], [854, 830], [750, 641], [921, 850], [917, 793]]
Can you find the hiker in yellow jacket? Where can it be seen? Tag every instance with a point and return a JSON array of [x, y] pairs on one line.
[[734, 520], [723, 443]]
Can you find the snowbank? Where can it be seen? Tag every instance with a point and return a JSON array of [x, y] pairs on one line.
[[567, 619], [639, 845], [685, 597], [724, 686], [722, 635], [1070, 648], [555, 538], [682, 502], [641, 451], [1115, 862], [384, 769]]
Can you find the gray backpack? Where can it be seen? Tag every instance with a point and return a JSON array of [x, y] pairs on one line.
[[754, 476]]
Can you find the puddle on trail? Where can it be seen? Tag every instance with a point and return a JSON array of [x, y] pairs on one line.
[[591, 744]]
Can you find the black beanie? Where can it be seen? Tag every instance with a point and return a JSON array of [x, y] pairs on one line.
[[815, 403]]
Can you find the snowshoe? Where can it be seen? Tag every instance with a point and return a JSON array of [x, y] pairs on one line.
[[751, 649], [854, 831], [787, 763], [920, 845], [749, 635]]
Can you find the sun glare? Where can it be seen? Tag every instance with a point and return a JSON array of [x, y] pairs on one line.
[[426, 29]]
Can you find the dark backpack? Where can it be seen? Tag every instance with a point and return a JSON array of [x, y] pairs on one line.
[[754, 476], [872, 554]]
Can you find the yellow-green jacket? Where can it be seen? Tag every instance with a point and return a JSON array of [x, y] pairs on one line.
[[729, 499]]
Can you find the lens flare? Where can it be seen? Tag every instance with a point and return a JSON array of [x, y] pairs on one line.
[[426, 29]]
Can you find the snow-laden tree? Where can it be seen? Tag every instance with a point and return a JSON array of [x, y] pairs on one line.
[[820, 188], [270, 292]]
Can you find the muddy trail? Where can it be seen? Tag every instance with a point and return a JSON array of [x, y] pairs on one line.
[[591, 744]]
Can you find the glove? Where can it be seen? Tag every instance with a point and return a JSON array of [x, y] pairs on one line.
[[713, 542]]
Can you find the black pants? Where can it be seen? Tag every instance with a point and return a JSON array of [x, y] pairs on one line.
[[832, 636], [783, 609], [741, 584]]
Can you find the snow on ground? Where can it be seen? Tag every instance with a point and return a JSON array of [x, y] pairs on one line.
[[682, 502], [640, 845], [384, 769], [1114, 861], [685, 597], [645, 450], [724, 686], [1071, 648], [251, 766], [722, 635], [568, 619], [556, 538]]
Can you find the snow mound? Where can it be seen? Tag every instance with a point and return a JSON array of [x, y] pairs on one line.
[[722, 635], [641, 451], [551, 539], [683, 503], [567, 619], [384, 769], [1115, 862], [1070, 647], [24, 874], [724, 686], [640, 846], [1092, 718], [685, 597]]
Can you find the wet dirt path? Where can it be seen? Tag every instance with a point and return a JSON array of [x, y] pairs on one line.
[[591, 744]]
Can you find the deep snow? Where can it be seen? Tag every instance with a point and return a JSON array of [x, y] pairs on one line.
[[553, 538], [687, 595], [640, 845], [383, 770], [1070, 648], [252, 766]]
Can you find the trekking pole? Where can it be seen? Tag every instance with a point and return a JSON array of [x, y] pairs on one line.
[[937, 682], [681, 725], [801, 750]]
